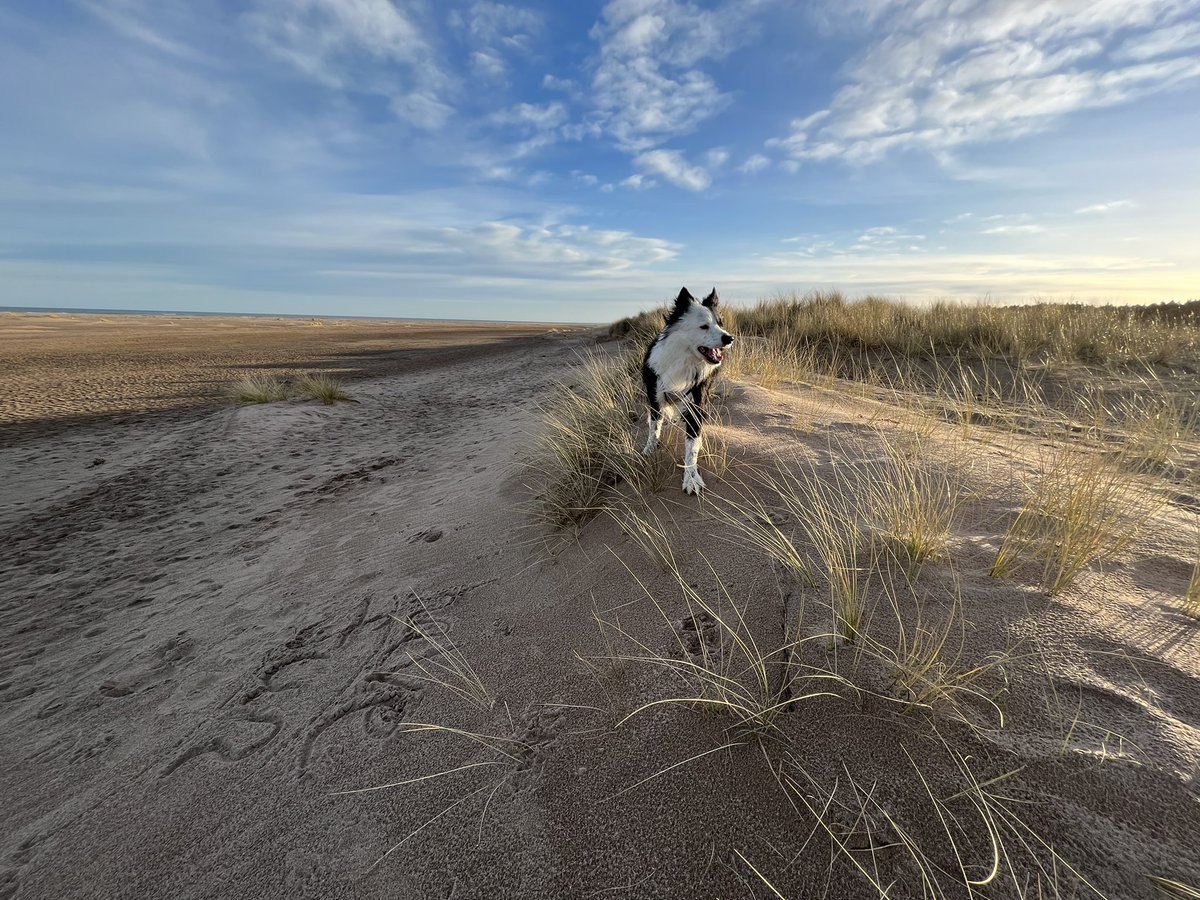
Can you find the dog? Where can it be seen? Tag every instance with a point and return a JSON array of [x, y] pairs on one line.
[[678, 369]]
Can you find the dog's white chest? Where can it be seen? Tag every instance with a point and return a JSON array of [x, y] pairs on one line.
[[676, 367]]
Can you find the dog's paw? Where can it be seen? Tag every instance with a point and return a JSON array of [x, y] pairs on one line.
[[692, 482]]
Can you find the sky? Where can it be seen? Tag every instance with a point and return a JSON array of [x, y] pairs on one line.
[[573, 161]]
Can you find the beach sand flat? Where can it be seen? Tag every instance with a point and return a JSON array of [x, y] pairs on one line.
[[205, 636]]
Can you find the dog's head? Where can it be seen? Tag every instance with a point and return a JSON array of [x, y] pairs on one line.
[[698, 323]]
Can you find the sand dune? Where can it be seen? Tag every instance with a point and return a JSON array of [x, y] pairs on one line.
[[207, 634]]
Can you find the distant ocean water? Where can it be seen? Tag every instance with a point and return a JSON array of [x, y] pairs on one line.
[[254, 315]]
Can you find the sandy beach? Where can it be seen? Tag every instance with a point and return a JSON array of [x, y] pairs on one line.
[[65, 369], [210, 614]]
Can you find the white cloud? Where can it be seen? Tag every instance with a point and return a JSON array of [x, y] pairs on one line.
[[647, 82], [881, 240], [1177, 38], [496, 31], [672, 166], [1014, 229], [510, 249], [533, 115], [940, 74], [422, 110], [754, 163], [554, 83], [1104, 207], [716, 157], [128, 23], [373, 47], [541, 125], [499, 25], [638, 182], [488, 65]]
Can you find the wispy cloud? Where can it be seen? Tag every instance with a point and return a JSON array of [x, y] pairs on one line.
[[276, 154], [755, 162], [510, 249], [1015, 229], [941, 74], [877, 241], [649, 82], [497, 33], [375, 47], [674, 167], [1104, 207]]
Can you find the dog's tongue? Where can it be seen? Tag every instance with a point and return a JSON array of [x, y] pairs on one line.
[[715, 354]]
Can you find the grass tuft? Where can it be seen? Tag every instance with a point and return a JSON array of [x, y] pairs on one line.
[[588, 445], [1081, 508], [325, 388], [258, 389]]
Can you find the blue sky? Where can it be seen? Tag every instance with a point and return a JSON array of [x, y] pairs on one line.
[[578, 161]]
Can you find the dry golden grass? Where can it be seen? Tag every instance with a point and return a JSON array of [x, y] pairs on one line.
[[258, 389], [588, 444], [1059, 332], [1170, 889], [325, 388], [923, 648], [831, 514], [1091, 382], [591, 442], [445, 665], [913, 498], [1081, 507]]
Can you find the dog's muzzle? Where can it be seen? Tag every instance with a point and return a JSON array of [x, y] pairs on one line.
[[713, 354]]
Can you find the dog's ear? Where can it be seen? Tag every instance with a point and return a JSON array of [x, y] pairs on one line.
[[685, 297], [712, 299]]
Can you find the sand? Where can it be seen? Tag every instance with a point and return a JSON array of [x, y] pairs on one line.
[[203, 641], [66, 369]]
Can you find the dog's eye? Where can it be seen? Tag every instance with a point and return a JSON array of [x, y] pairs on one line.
[[704, 328]]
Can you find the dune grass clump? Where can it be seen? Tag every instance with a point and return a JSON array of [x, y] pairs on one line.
[[724, 670], [1156, 429], [325, 388], [587, 445], [1081, 508], [718, 663], [1047, 331], [913, 503], [981, 844], [445, 665], [923, 649], [639, 329], [833, 526], [768, 360], [258, 389], [831, 520], [757, 526]]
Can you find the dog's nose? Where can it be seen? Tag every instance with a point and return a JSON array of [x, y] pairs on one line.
[[726, 340]]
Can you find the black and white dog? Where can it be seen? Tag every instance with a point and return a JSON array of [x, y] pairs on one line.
[[678, 370]]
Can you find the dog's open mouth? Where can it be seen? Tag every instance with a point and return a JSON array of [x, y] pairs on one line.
[[713, 354]]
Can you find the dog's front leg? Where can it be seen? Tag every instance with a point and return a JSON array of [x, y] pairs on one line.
[[654, 419], [693, 417], [692, 482]]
